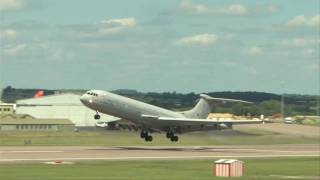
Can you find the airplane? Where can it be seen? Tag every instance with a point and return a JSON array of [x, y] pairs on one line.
[[156, 119]]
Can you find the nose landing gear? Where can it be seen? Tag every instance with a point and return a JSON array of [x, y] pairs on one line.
[[97, 116]]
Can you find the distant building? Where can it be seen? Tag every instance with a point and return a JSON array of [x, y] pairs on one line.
[[60, 106], [24, 122], [7, 108]]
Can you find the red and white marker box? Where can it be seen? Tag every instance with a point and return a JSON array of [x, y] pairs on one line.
[[228, 168]]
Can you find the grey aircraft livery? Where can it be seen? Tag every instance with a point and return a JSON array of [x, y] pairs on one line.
[[151, 118]]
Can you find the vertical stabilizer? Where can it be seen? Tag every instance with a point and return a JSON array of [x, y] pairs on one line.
[[205, 105], [201, 110]]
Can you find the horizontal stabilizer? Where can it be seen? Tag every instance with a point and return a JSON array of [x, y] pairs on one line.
[[208, 98]]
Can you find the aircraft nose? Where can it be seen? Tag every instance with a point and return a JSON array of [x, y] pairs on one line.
[[85, 99]]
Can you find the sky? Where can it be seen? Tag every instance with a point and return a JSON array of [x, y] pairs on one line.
[[168, 45]]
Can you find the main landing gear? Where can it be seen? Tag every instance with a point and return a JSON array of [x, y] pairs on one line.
[[145, 135], [97, 116], [170, 135]]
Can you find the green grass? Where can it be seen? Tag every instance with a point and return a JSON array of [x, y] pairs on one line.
[[118, 138], [273, 168], [311, 122]]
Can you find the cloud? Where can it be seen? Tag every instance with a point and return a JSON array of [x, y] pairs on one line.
[[315, 67], [309, 52], [11, 4], [301, 42], [14, 50], [304, 42], [200, 39], [7, 34], [303, 21], [187, 6], [127, 22], [234, 9], [105, 27], [272, 8], [116, 25], [255, 51], [251, 70]]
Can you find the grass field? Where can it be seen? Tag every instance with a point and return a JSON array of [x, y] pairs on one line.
[[126, 138], [273, 168]]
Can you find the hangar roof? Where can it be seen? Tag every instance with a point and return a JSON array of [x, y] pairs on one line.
[[57, 99], [227, 161], [16, 116], [37, 121]]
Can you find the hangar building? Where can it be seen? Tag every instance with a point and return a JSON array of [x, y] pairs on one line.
[[24, 122], [7, 108], [60, 106]]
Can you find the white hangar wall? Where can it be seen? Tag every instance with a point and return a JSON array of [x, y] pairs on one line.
[[60, 106]]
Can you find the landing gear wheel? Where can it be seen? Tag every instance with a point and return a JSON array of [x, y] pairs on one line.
[[97, 117], [143, 134], [174, 138], [169, 135], [148, 138]]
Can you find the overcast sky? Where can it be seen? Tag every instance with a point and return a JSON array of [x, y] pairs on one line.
[[167, 45]]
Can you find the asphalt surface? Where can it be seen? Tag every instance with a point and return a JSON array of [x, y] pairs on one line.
[[67, 153], [281, 128]]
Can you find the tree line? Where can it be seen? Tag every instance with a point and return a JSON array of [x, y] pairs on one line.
[[267, 104]]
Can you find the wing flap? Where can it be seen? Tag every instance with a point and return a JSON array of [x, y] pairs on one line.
[[210, 121]]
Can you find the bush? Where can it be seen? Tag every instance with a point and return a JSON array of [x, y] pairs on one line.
[[308, 122]]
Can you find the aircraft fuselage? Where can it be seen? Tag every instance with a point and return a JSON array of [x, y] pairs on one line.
[[125, 108]]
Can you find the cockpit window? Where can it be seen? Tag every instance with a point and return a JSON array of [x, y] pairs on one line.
[[92, 94]]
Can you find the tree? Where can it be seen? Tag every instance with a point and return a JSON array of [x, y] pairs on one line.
[[270, 107], [238, 109]]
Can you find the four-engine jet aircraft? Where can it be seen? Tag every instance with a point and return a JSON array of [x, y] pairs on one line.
[[155, 119]]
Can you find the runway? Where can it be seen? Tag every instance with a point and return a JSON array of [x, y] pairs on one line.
[[92, 153]]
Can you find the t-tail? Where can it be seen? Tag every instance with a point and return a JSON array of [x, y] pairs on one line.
[[205, 105]]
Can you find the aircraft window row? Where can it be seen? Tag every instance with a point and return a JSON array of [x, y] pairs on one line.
[[30, 126], [91, 93]]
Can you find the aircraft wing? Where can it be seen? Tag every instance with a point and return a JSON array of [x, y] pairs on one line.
[[192, 121]]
